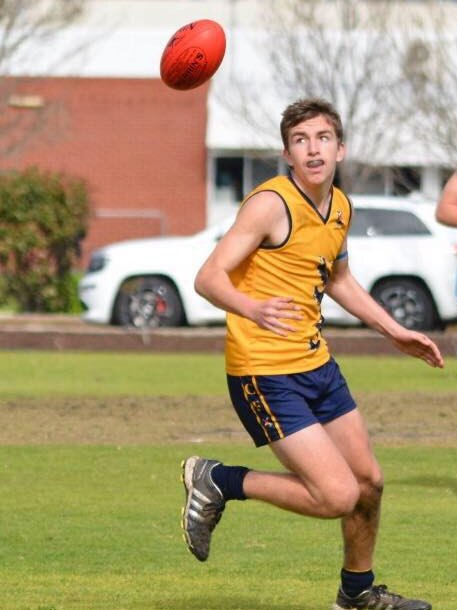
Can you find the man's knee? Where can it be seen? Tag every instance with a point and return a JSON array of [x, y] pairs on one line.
[[341, 500]]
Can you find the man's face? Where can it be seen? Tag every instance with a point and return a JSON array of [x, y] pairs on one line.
[[314, 150]]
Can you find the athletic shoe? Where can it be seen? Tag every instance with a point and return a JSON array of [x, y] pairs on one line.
[[378, 598], [204, 505]]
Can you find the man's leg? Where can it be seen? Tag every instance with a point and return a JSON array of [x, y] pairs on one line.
[[361, 526], [318, 483]]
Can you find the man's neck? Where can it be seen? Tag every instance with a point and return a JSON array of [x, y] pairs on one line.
[[319, 194]]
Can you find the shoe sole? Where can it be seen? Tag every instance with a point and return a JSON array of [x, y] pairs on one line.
[[337, 607], [188, 467]]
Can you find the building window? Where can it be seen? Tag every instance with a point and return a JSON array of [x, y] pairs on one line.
[[373, 180], [229, 179], [235, 177], [261, 170], [406, 180], [365, 179]]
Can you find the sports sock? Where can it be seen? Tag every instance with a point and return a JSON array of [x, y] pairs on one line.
[[229, 479], [353, 583]]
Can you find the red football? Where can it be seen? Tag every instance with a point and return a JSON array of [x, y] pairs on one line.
[[193, 54]]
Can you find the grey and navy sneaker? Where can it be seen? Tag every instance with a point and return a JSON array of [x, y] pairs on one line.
[[204, 505], [378, 598]]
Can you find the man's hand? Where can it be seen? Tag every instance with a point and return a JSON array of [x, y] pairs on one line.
[[420, 346], [270, 314]]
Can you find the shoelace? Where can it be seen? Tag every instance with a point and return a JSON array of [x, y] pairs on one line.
[[381, 590]]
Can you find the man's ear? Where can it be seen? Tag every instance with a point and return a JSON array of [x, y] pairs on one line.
[[341, 153], [286, 155]]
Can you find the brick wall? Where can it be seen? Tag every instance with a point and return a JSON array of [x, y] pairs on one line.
[[138, 144]]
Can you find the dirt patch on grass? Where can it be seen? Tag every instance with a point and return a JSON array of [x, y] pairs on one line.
[[404, 418]]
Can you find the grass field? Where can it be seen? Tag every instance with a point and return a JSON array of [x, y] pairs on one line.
[[90, 527], [32, 373]]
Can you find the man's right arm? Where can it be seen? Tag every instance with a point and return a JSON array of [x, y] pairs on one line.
[[252, 227]]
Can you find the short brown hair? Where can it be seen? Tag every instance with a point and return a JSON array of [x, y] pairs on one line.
[[308, 108]]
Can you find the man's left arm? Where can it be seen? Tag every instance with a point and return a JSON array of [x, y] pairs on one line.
[[347, 292]]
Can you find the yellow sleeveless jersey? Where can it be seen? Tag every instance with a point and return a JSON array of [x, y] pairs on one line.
[[299, 268]]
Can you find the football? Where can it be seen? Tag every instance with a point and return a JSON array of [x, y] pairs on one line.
[[193, 54]]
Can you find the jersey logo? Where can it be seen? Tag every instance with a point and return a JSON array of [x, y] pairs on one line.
[[324, 275], [340, 219]]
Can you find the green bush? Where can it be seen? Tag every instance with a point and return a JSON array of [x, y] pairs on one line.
[[43, 218]]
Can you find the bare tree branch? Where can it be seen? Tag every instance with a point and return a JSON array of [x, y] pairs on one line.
[[390, 70]]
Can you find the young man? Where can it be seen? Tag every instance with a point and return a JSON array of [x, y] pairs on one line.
[[269, 272], [446, 210]]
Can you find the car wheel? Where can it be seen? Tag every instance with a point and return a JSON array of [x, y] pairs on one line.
[[408, 301], [148, 302]]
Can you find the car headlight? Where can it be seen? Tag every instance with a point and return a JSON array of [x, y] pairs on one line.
[[97, 262]]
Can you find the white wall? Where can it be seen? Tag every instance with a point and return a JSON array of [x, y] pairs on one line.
[[123, 38]]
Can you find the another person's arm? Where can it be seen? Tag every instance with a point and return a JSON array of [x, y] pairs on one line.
[[446, 210]]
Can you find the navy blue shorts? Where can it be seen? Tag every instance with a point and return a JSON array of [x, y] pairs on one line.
[[271, 407]]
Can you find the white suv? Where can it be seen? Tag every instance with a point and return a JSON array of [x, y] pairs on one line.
[[397, 251]]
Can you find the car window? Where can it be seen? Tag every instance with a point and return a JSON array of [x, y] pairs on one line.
[[372, 222]]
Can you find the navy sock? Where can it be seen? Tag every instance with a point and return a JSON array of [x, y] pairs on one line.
[[230, 479], [353, 583]]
